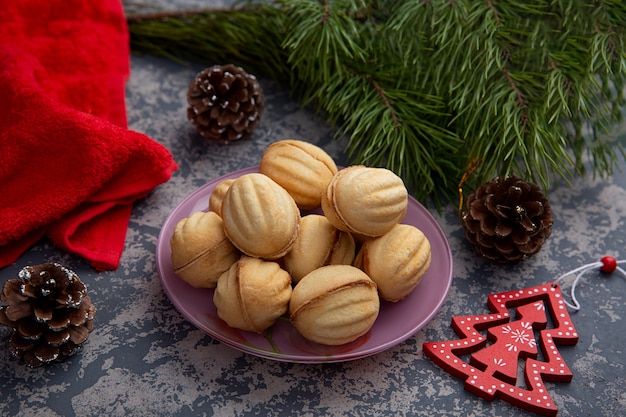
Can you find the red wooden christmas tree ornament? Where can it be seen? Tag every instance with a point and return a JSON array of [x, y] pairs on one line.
[[492, 369]]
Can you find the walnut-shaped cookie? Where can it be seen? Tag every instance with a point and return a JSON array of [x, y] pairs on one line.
[[252, 294], [365, 201], [217, 195], [260, 218], [201, 252], [319, 244], [334, 305], [396, 261], [301, 168]]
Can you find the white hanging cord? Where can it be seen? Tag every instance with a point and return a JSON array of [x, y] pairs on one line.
[[607, 264]]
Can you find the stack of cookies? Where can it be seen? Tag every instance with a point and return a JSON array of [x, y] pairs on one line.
[[266, 249]]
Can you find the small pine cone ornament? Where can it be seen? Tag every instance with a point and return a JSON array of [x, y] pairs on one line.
[[49, 312], [507, 219], [225, 103]]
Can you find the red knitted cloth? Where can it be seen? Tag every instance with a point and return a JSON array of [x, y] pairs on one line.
[[69, 168]]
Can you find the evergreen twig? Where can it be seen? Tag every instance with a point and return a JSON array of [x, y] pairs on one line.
[[423, 87]]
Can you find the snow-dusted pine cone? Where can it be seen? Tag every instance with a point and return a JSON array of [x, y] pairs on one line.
[[49, 311], [225, 103], [507, 219]]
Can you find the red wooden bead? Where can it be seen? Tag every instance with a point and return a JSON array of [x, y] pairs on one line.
[[609, 264]]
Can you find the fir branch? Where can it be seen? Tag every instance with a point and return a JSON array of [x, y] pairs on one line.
[[424, 87], [249, 35]]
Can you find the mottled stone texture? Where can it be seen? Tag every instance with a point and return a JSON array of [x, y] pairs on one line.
[[144, 359]]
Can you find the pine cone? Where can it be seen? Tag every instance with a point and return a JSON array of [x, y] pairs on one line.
[[225, 103], [49, 311], [507, 219]]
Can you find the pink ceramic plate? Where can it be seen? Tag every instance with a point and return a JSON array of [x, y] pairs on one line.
[[395, 323]]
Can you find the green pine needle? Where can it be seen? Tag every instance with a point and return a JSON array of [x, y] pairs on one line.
[[425, 87]]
